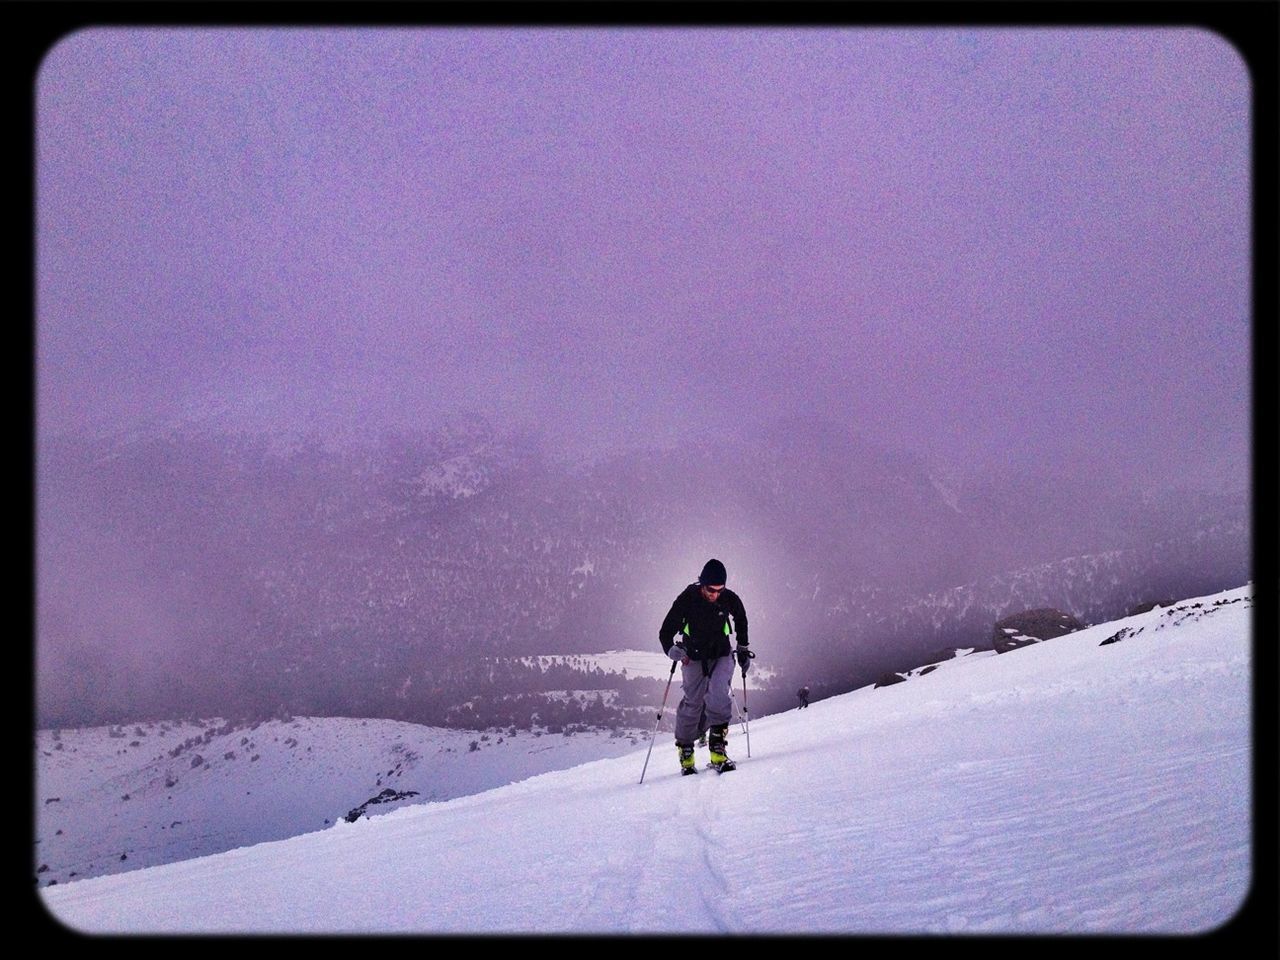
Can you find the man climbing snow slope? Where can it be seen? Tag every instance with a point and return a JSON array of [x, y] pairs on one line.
[[695, 633]]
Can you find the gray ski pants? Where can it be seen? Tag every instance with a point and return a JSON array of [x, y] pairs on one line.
[[706, 700]]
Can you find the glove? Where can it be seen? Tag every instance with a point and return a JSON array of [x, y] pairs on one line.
[[744, 659], [677, 653]]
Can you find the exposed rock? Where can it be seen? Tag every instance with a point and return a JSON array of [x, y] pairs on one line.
[[951, 653], [1120, 635], [888, 679], [1181, 612], [1032, 626], [386, 796], [1149, 605]]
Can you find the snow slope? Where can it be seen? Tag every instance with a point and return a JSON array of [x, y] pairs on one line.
[[115, 799], [1068, 786]]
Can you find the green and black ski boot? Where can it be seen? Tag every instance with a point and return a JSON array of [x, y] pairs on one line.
[[687, 765], [718, 742]]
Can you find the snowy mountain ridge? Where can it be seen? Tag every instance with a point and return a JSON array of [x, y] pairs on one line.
[[1098, 782]]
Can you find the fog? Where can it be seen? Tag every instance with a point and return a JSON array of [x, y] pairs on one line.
[[750, 293]]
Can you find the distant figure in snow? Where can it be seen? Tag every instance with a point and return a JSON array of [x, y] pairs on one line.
[[704, 616], [803, 694]]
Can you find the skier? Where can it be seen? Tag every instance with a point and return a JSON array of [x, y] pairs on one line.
[[704, 616], [803, 694]]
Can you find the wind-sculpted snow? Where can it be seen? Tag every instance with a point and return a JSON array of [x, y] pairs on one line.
[[1066, 787]]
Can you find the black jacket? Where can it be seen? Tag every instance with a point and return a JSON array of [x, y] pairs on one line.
[[707, 637]]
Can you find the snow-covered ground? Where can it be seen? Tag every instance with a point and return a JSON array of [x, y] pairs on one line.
[[109, 803], [1068, 786]]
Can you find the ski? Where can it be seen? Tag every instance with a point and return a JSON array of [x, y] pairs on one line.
[[725, 767]]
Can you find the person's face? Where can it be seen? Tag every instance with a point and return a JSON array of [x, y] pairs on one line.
[[711, 594]]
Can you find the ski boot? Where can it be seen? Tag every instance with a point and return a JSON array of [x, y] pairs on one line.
[[718, 742], [687, 765]]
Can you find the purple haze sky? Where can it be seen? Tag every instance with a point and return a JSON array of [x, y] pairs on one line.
[[984, 245]]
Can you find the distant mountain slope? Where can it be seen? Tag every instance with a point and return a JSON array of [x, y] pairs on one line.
[[120, 798], [231, 574]]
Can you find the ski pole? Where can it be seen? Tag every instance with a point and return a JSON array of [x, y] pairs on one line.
[[746, 713], [737, 710], [670, 676]]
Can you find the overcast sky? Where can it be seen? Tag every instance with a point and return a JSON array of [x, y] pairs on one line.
[[975, 243]]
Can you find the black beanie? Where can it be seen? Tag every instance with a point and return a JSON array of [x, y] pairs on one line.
[[713, 573]]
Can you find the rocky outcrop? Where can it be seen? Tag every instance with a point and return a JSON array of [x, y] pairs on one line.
[[1032, 626], [1180, 613], [889, 679], [1149, 605], [386, 796]]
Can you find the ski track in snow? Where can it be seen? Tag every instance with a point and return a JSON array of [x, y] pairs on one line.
[[1061, 788]]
